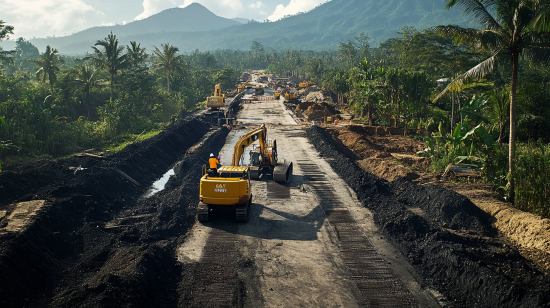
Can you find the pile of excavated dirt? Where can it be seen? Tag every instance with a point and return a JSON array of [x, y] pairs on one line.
[[375, 151], [318, 96], [98, 243], [447, 239], [316, 111], [373, 147], [528, 231]]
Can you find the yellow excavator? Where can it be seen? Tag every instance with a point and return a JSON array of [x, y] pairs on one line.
[[306, 84], [290, 96], [217, 101], [230, 186]]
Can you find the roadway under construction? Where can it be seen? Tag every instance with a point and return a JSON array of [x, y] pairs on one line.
[[110, 234]]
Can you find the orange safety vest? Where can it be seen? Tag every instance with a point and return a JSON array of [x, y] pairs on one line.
[[213, 163]]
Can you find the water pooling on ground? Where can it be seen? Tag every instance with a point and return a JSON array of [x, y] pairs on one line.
[[159, 184]]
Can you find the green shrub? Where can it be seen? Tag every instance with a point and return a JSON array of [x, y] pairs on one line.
[[533, 178]]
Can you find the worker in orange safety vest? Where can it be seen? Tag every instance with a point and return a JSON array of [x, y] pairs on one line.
[[213, 161]]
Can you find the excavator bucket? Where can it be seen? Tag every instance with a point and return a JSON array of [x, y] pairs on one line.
[[282, 173]]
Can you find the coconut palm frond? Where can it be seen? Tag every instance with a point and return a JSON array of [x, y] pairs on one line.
[[541, 22], [5, 30], [477, 72], [537, 55], [489, 39], [479, 9]]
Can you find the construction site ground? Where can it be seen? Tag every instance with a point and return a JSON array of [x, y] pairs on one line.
[[110, 234], [393, 157]]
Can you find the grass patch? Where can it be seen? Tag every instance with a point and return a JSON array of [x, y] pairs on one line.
[[124, 140]]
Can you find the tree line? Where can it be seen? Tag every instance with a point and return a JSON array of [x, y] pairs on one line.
[[55, 105]]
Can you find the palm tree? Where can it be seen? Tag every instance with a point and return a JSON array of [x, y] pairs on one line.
[[4, 32], [85, 79], [136, 54], [168, 59], [48, 64], [510, 29], [111, 56]]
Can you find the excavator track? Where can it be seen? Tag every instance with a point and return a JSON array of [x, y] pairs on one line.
[[241, 211], [202, 212], [254, 173], [282, 173]]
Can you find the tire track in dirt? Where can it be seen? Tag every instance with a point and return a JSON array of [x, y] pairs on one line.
[[374, 278], [215, 275]]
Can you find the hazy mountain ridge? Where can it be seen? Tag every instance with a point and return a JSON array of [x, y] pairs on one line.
[[320, 29], [241, 20], [194, 17]]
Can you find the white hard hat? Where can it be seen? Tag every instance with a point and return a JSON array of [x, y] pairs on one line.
[[211, 154]]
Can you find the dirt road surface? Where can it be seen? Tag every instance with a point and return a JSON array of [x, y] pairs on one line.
[[299, 259]]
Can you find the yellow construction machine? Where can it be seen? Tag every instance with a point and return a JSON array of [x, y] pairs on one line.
[[277, 95], [306, 84], [217, 101], [259, 90], [230, 186], [290, 96]]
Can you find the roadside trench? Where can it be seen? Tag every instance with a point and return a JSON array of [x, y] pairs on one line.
[[97, 242]]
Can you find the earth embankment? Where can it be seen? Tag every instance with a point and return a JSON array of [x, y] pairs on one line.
[[98, 242], [445, 237]]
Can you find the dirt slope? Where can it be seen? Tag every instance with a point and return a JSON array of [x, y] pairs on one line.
[[98, 244], [374, 149], [445, 237]]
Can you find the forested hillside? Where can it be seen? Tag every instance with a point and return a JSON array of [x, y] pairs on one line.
[[195, 17], [320, 29]]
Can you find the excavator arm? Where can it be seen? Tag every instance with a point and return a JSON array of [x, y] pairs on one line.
[[246, 140]]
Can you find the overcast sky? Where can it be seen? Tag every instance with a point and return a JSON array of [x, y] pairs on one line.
[[41, 18]]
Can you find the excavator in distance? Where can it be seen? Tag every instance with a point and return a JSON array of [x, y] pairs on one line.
[[217, 101], [230, 187]]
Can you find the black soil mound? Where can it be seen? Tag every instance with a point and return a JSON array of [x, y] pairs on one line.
[[99, 243], [446, 238]]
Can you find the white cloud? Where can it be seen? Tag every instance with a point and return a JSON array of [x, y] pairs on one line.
[[151, 7], [294, 7], [49, 17], [256, 5], [223, 8]]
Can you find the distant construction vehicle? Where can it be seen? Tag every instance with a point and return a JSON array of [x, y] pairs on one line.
[[259, 90], [217, 101], [230, 186], [306, 84], [291, 97]]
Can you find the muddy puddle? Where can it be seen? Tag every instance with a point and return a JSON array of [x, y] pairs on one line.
[[160, 184]]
